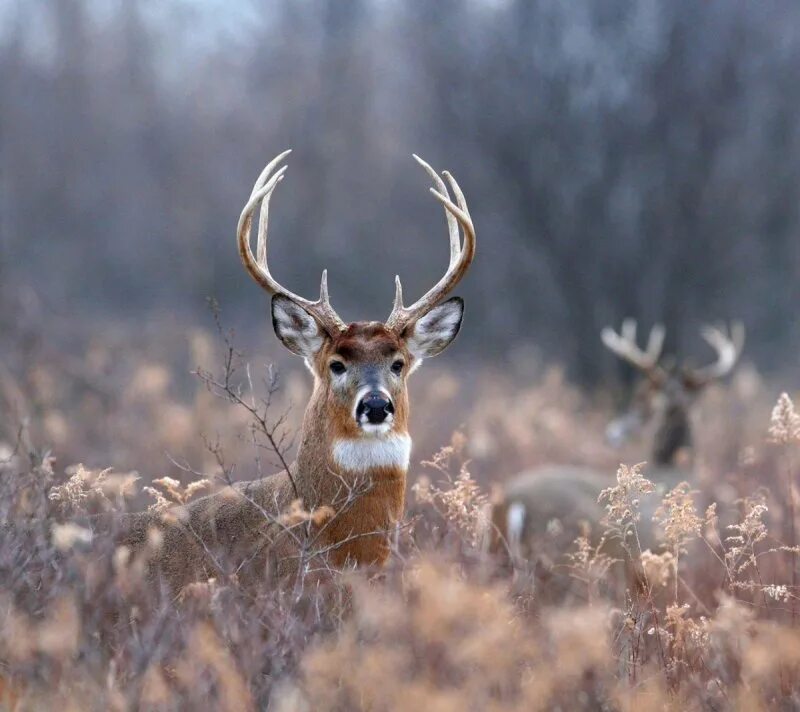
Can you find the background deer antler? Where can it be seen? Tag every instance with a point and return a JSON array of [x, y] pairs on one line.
[[624, 345], [728, 346], [257, 265], [461, 256]]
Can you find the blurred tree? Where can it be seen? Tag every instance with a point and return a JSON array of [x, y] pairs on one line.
[[620, 159]]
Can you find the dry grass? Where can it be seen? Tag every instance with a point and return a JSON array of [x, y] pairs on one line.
[[445, 626]]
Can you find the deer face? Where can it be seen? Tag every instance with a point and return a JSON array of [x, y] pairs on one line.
[[363, 369], [656, 403], [667, 391], [360, 370]]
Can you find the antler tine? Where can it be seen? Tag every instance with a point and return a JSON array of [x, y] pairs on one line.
[[452, 223], [263, 217], [265, 174], [655, 342], [258, 267], [728, 347], [624, 346], [462, 202], [461, 256], [628, 330]]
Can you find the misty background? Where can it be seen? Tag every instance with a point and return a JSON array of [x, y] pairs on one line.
[[619, 158]]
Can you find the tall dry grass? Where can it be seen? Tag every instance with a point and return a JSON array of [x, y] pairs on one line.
[[446, 626]]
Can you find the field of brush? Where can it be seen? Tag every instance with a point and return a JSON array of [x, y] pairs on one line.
[[115, 423]]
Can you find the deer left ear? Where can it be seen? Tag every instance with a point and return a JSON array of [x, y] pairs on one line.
[[433, 333]]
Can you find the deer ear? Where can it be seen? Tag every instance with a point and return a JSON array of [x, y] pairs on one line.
[[433, 333], [296, 328]]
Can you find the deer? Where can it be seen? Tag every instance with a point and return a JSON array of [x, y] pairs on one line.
[[354, 445], [556, 504]]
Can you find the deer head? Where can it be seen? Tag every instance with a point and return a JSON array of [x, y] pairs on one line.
[[361, 369], [667, 389]]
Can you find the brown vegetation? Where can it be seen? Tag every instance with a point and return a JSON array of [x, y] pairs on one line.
[[446, 626]]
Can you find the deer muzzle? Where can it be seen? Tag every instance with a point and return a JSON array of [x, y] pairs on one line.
[[375, 408]]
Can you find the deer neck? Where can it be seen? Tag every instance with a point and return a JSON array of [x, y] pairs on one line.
[[327, 461], [673, 439]]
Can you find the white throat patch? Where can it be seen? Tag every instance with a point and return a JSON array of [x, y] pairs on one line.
[[362, 454]]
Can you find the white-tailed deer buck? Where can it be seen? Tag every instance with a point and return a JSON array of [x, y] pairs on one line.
[[354, 446], [549, 507]]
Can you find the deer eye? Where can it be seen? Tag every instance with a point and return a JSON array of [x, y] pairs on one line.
[[337, 368], [397, 367]]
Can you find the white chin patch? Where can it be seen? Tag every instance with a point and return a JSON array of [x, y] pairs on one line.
[[376, 428], [393, 450]]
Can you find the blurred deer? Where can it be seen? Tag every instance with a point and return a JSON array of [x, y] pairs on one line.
[[554, 505], [348, 482]]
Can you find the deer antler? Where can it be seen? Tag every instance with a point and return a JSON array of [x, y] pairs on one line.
[[258, 268], [728, 347], [624, 346], [461, 256]]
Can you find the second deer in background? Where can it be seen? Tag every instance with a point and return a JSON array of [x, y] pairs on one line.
[[546, 509]]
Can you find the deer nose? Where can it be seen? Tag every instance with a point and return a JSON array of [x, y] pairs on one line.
[[375, 407]]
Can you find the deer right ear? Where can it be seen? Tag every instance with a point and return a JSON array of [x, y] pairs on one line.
[[434, 332], [296, 328]]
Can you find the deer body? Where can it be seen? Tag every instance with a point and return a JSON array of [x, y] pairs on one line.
[[240, 525], [545, 510], [340, 499]]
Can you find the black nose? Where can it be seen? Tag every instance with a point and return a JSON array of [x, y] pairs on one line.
[[375, 407]]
